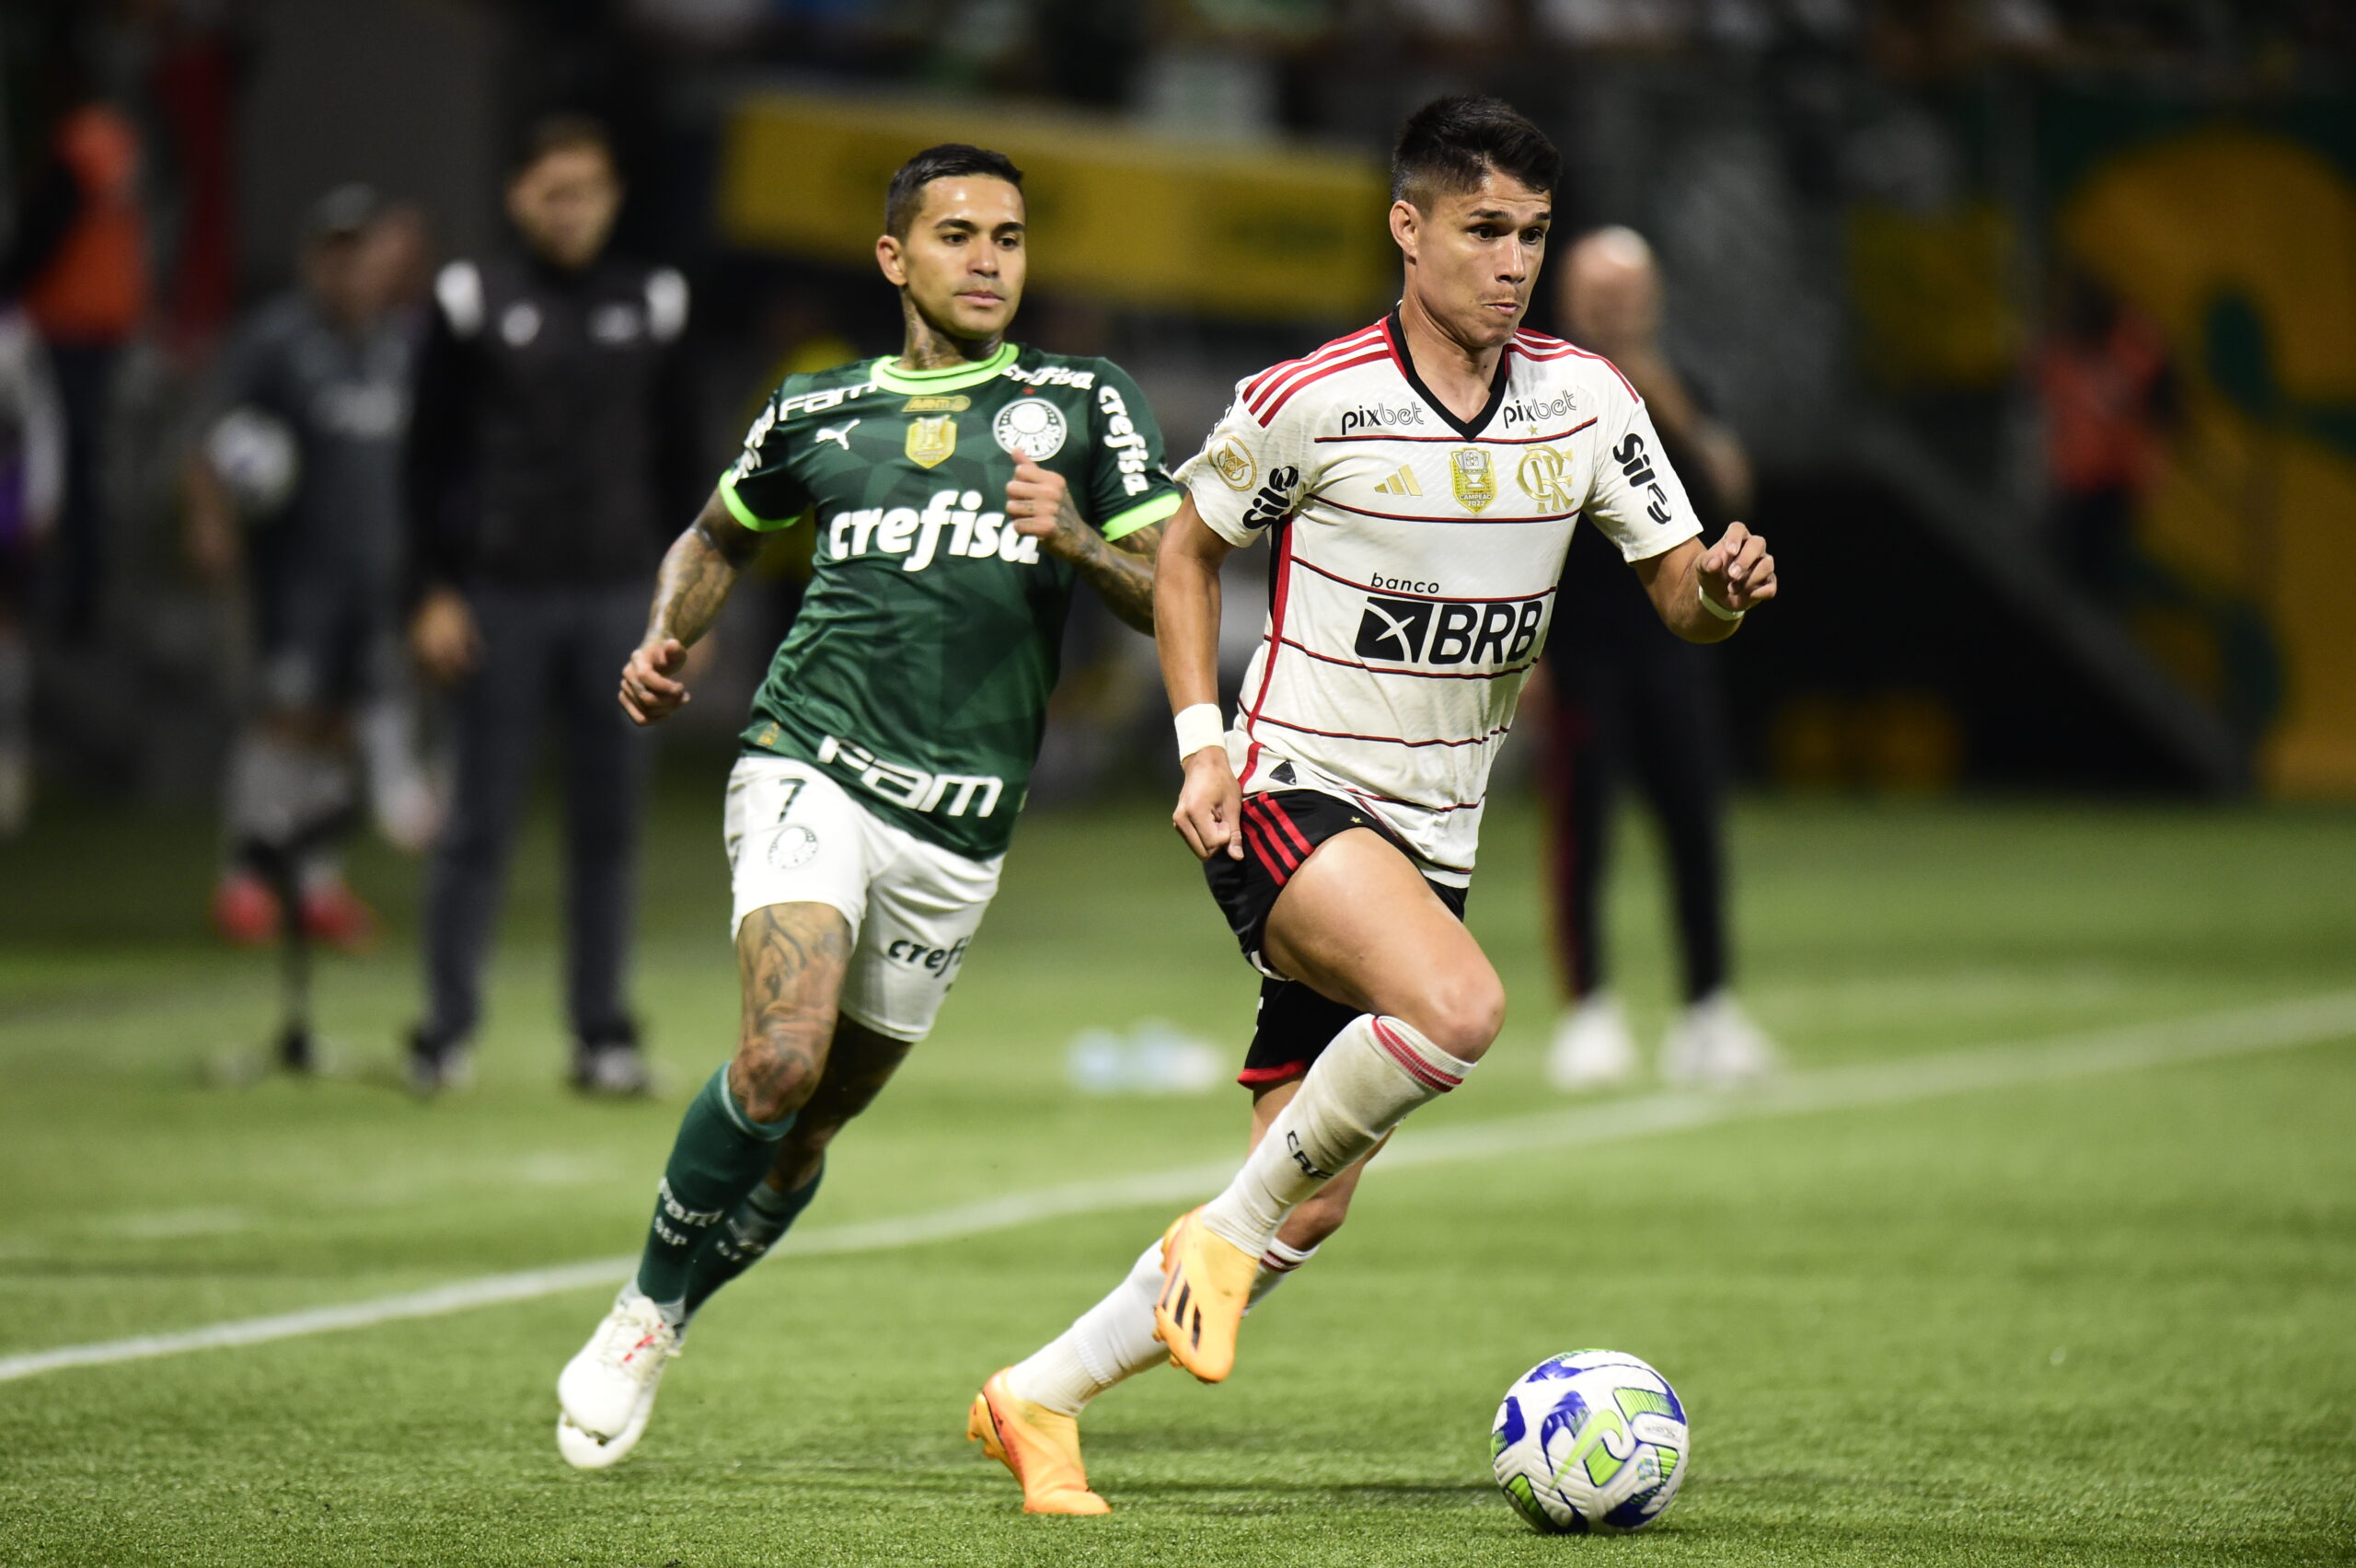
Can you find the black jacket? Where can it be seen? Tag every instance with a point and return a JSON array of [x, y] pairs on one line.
[[552, 439]]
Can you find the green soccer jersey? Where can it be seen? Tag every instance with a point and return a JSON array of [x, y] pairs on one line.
[[918, 669]]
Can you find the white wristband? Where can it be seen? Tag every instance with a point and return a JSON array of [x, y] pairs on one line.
[[1199, 726], [1715, 607]]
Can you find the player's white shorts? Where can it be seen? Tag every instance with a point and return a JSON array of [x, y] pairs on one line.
[[797, 836]]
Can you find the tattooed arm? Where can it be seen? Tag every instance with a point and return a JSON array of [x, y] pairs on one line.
[[698, 571], [1038, 503]]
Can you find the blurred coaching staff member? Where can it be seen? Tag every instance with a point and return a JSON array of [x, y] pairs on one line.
[[552, 445]]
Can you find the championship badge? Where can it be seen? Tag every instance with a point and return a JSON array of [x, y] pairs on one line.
[[932, 441], [1475, 480], [1232, 463]]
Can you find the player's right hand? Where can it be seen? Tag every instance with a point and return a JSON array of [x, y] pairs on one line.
[[1210, 806], [649, 693]]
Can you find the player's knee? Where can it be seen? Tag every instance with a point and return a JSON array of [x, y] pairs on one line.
[[1460, 1012]]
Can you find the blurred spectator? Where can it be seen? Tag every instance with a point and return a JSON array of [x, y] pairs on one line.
[[32, 484], [552, 457], [294, 485], [78, 265], [1632, 697], [2109, 396]]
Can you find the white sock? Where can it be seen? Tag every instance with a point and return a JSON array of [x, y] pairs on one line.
[[1376, 1070], [1112, 1341]]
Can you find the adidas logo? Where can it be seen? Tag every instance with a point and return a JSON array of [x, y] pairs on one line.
[[1401, 483]]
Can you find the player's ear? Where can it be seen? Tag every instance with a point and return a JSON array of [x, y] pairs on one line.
[[1406, 226], [889, 258]]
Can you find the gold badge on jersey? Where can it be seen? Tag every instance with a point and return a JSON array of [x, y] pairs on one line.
[[931, 441], [1474, 476], [955, 403], [1232, 463], [1543, 475]]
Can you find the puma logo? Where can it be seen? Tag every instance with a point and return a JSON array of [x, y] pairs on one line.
[[840, 434]]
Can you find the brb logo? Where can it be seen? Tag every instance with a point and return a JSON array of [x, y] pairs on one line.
[[1491, 633]]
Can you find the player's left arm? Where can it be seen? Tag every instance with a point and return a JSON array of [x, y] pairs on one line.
[[1734, 574]]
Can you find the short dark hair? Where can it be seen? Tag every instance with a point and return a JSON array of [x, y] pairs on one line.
[[1450, 143], [950, 160], [553, 133]]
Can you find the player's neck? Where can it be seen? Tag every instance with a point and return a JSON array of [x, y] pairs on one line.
[[926, 347], [1460, 375]]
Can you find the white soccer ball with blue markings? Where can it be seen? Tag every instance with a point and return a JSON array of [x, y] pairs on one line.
[[1594, 1440]]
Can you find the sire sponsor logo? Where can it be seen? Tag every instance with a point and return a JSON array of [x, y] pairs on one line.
[[1448, 632], [1538, 411], [952, 794], [937, 961], [1381, 416], [1274, 500], [1638, 468], [952, 526], [1034, 377]]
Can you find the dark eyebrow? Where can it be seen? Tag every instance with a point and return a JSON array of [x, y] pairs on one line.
[[1498, 215]]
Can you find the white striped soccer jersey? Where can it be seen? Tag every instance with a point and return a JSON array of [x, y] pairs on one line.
[[1415, 559]]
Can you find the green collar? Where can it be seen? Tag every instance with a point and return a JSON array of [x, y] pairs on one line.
[[948, 378]]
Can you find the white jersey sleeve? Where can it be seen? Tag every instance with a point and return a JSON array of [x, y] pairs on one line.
[[1635, 497], [1249, 476]]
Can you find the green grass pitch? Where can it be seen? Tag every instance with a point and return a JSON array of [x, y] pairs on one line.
[[2099, 1319]]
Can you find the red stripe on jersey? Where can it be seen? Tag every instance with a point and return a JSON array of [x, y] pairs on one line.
[[1434, 598], [1273, 811], [1319, 373], [1409, 517], [1402, 670], [1418, 805], [1277, 602], [1262, 384], [1410, 1059], [1555, 348], [1459, 440], [1385, 740]]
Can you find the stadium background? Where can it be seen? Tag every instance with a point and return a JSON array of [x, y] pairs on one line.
[[1989, 799]]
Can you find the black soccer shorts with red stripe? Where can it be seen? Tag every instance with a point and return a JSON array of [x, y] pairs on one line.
[[1280, 828]]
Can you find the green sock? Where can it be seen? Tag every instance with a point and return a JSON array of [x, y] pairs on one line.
[[740, 1241], [720, 1155]]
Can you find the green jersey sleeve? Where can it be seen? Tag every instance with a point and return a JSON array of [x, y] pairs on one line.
[[1129, 485], [761, 489]]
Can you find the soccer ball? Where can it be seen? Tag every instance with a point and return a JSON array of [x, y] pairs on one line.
[[258, 459], [1593, 1440]]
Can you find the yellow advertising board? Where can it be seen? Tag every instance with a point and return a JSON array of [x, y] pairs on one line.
[[1246, 233], [2242, 247]]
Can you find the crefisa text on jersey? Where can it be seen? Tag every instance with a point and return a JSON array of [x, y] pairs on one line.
[[916, 537]]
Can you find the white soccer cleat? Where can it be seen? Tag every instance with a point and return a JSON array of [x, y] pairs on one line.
[[606, 1392], [1713, 1044], [1592, 1047]]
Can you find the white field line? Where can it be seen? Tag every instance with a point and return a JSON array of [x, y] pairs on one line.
[[2277, 1026]]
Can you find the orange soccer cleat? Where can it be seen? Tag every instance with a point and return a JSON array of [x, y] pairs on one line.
[[335, 915], [244, 912], [1206, 1285], [1040, 1446]]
